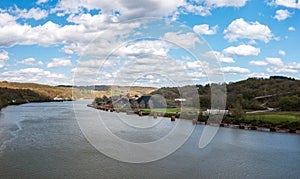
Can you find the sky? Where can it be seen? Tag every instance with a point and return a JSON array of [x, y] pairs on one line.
[[148, 42]]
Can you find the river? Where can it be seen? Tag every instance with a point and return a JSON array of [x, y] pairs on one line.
[[44, 140]]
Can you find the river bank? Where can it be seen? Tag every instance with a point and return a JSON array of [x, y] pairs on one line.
[[25, 102], [228, 121]]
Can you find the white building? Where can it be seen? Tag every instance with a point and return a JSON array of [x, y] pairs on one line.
[[215, 112]]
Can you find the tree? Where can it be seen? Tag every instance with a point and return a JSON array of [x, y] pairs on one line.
[[237, 110], [289, 103]]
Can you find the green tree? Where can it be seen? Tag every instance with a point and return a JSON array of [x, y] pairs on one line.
[[290, 103], [237, 110]]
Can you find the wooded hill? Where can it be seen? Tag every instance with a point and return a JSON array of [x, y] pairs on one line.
[[18, 96], [278, 92], [44, 90], [32, 92]]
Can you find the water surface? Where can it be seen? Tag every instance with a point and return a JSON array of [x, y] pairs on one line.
[[43, 140]]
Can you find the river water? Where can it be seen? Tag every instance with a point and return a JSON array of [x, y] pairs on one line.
[[44, 140]]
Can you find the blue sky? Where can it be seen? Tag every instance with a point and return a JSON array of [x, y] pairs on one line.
[[104, 42]]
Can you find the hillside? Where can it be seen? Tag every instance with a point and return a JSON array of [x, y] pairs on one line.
[[258, 92], [35, 92], [45, 90], [18, 96], [252, 94]]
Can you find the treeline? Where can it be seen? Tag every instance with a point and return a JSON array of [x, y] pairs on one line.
[[19, 96], [278, 92], [44, 90]]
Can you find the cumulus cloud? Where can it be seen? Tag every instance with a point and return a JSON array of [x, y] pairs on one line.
[[205, 29], [127, 9], [163, 68], [226, 3], [291, 28], [258, 75], [59, 62], [187, 40], [220, 56], [30, 61], [242, 50], [96, 63], [287, 3], [197, 9], [274, 61], [275, 65], [282, 15], [32, 75], [144, 49], [235, 70], [281, 70], [6, 19], [3, 56], [204, 7], [33, 13], [258, 63], [41, 1], [240, 29], [194, 65], [279, 67], [294, 65], [281, 52], [78, 38]]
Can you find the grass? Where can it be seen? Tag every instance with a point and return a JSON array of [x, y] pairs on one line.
[[276, 118], [161, 110]]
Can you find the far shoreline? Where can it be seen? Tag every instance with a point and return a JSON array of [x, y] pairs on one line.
[[273, 129], [26, 102]]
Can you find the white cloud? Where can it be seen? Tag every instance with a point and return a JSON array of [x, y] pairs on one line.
[[240, 29], [274, 61], [287, 3], [6, 19], [197, 9], [127, 9], [281, 70], [187, 40], [75, 38], [219, 56], [292, 28], [59, 62], [226, 3], [3, 56], [30, 61], [205, 29], [33, 13], [145, 49], [279, 67], [194, 65], [252, 42], [235, 70], [242, 50], [258, 75], [32, 75], [281, 52], [41, 1], [282, 15], [294, 65], [204, 7], [96, 63], [258, 63]]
